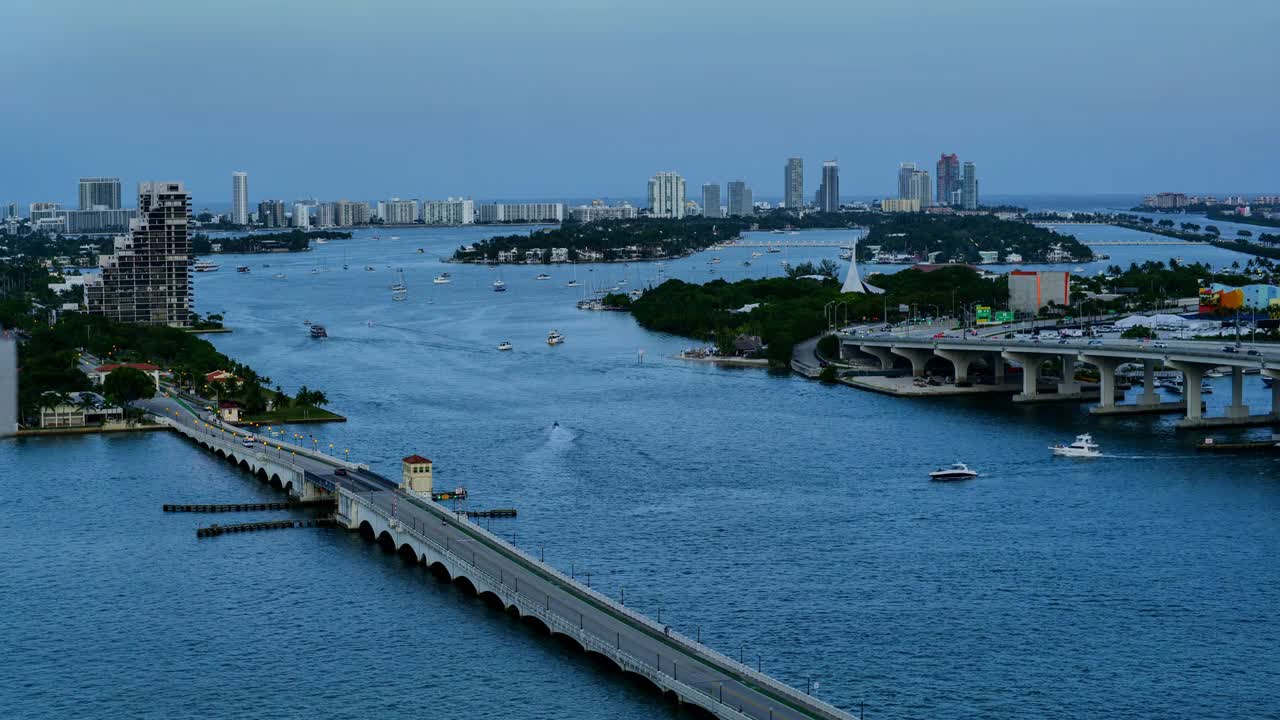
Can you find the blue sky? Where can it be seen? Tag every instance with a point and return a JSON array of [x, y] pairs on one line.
[[570, 98]]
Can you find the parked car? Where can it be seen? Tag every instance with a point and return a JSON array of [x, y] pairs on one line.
[[1254, 352]]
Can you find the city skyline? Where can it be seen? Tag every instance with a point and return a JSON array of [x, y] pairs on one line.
[[1030, 92]]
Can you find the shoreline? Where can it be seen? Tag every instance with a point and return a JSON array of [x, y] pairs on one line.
[[88, 430], [730, 361]]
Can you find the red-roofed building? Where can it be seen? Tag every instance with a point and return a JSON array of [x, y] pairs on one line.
[[415, 473], [229, 410], [218, 376], [99, 374]]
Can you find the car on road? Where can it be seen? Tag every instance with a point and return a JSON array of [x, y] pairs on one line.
[[1230, 349], [1095, 342], [1253, 352], [1062, 341], [1160, 345], [340, 471], [939, 336]]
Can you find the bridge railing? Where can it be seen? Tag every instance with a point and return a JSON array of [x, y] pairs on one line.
[[231, 446], [686, 644], [556, 622]]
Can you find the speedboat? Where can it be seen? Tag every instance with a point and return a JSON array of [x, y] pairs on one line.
[[573, 283], [957, 471], [774, 250], [504, 345], [318, 331], [756, 254], [442, 279], [243, 269], [554, 338], [499, 286], [543, 276], [1084, 446], [421, 251]]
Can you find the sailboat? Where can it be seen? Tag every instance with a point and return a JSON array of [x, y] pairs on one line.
[[574, 282]]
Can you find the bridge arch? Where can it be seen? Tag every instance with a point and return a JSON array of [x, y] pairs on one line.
[[604, 661], [244, 465], [440, 571], [465, 585], [408, 554], [222, 454], [568, 640], [261, 474], [387, 542], [533, 621], [642, 681], [288, 487], [231, 457], [513, 610], [491, 599], [366, 530]]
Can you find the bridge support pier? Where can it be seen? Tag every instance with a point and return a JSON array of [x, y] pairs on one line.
[[1275, 391], [1237, 408], [997, 367], [960, 360], [1148, 396], [1030, 364], [917, 356], [1068, 387], [884, 354], [1107, 373]]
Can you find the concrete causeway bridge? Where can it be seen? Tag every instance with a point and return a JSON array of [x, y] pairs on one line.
[[1193, 359], [430, 535]]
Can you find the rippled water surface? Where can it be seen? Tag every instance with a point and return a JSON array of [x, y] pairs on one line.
[[793, 523]]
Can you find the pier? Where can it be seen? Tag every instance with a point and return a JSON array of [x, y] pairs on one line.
[[436, 538]]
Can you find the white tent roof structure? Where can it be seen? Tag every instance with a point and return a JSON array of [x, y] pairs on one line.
[[1159, 320], [853, 283]]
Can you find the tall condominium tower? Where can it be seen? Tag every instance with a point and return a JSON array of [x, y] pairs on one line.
[[666, 195], [793, 184], [147, 280], [301, 216], [905, 171], [920, 188], [240, 198], [711, 200], [740, 199], [99, 193], [829, 190], [969, 187], [948, 177]]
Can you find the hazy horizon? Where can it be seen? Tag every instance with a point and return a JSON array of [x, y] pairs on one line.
[[569, 99]]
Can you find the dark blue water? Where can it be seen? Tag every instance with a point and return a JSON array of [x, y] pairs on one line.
[[792, 522]]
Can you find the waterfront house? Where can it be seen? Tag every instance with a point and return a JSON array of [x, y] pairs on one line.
[[100, 373], [78, 409], [218, 376], [748, 346]]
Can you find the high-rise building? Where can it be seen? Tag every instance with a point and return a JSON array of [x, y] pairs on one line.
[[598, 210], [829, 190], [10, 210], [77, 222], [739, 199], [666, 195], [399, 212], [240, 198], [43, 211], [969, 187], [271, 214], [347, 213], [948, 177], [147, 279], [301, 216], [453, 211], [905, 171], [520, 212], [324, 215], [793, 184], [99, 193], [711, 200]]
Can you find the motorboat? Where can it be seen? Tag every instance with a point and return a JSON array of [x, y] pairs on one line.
[[1084, 446], [573, 283], [205, 266], [321, 241], [279, 276], [395, 237], [421, 251], [957, 471], [554, 338], [400, 295], [369, 268], [504, 345], [242, 269], [442, 279], [543, 276], [755, 253], [318, 331], [499, 286], [774, 250]]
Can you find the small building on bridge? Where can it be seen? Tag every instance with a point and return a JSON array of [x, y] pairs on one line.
[[229, 411], [415, 473]]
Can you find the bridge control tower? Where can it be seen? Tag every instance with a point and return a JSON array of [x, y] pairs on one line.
[[415, 472]]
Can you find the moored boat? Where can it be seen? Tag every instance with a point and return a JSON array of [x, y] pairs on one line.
[[554, 338]]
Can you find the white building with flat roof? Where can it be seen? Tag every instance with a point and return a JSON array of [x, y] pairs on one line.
[[453, 211]]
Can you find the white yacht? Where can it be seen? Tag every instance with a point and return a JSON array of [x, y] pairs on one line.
[[504, 345], [543, 276], [499, 286], [1084, 446], [957, 471], [442, 279], [554, 338], [573, 283], [205, 266]]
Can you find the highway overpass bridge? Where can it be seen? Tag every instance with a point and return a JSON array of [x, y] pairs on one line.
[[1192, 358], [430, 535]]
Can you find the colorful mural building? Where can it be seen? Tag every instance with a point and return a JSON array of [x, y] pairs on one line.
[[1219, 299]]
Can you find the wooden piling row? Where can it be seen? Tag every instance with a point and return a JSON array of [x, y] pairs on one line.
[[216, 530], [496, 512], [247, 507]]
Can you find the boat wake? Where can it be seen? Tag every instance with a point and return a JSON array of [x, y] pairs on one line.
[[560, 435]]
